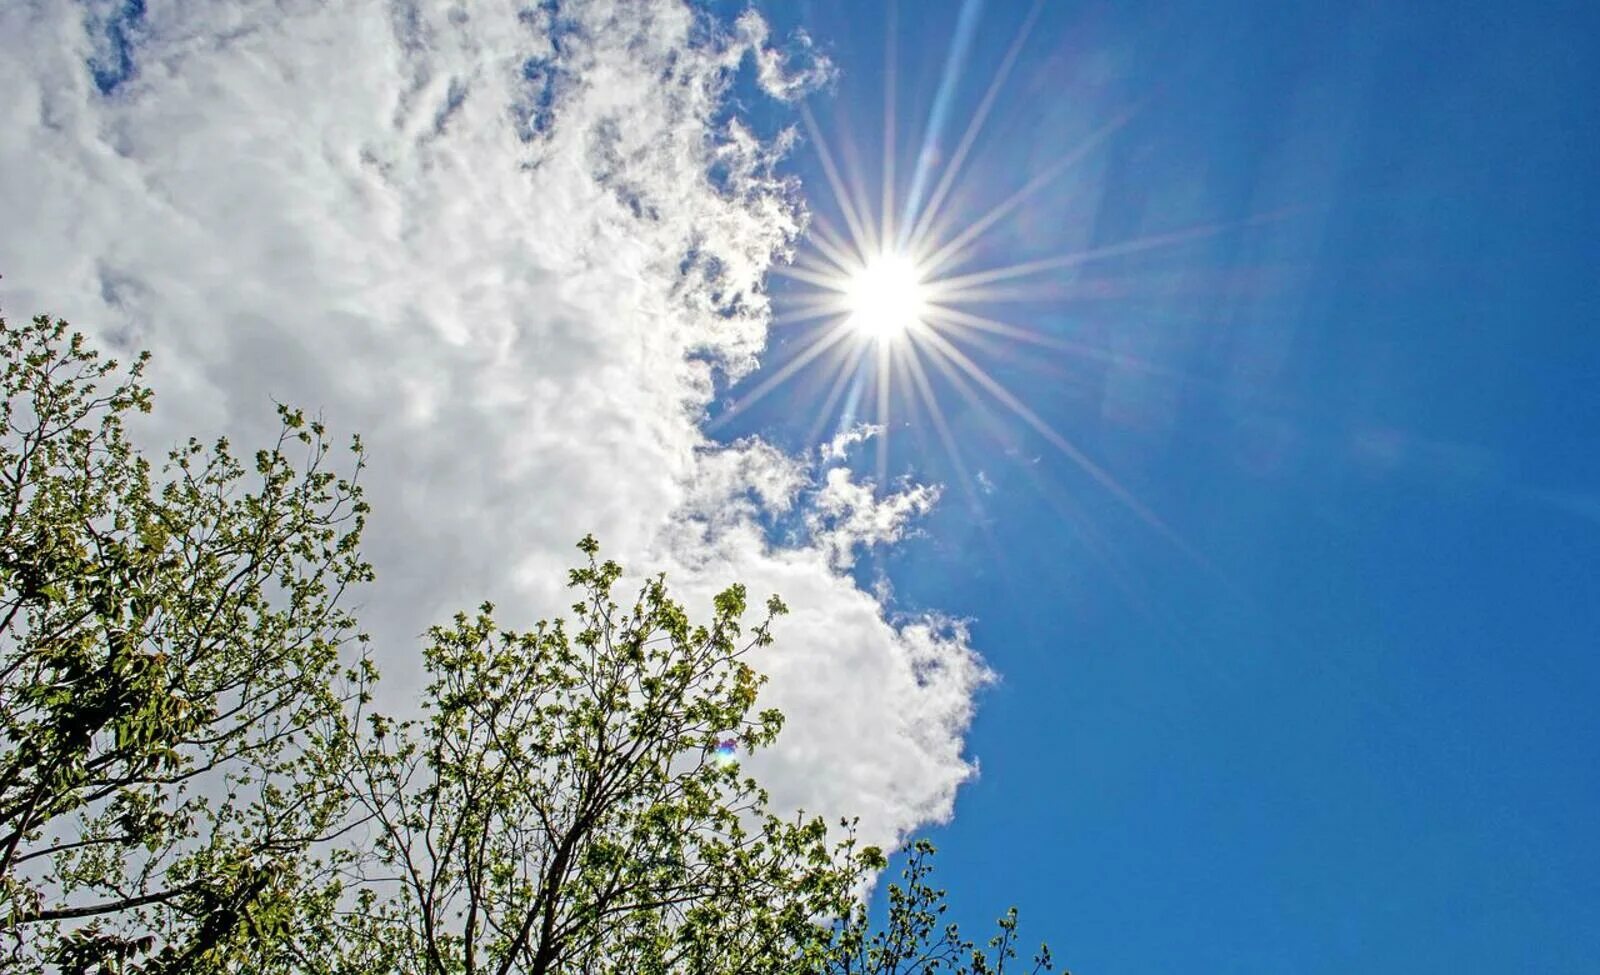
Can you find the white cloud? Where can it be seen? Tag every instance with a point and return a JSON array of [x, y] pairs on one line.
[[510, 249], [776, 70], [839, 447], [846, 514]]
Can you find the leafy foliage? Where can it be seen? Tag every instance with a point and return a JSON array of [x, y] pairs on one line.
[[194, 777], [915, 939], [561, 806], [169, 653]]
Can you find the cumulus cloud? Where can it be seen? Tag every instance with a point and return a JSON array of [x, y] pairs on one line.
[[512, 247]]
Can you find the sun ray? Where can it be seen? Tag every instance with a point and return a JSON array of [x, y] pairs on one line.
[[891, 81], [818, 278], [960, 44], [952, 251], [954, 321], [852, 168], [823, 343], [941, 426], [1094, 541], [852, 398], [1083, 350], [801, 316], [885, 355], [848, 366], [1074, 289], [955, 288], [832, 245], [835, 302], [969, 490], [832, 254], [841, 194], [1085, 463], [952, 168], [821, 262]]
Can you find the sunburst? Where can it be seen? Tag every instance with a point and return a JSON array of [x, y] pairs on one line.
[[893, 297]]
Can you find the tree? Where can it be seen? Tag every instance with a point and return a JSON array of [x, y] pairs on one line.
[[563, 807], [915, 939], [170, 648], [194, 777]]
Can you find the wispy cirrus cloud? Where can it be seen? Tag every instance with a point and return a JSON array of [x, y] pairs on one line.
[[512, 247]]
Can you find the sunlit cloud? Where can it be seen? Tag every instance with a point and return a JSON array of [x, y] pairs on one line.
[[514, 250]]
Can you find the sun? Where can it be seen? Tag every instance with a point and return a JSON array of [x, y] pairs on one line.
[[896, 299], [886, 297]]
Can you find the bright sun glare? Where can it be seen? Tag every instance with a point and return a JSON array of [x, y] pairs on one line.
[[886, 297], [900, 277]]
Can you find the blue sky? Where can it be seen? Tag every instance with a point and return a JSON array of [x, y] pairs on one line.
[[1339, 713], [1310, 689]]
